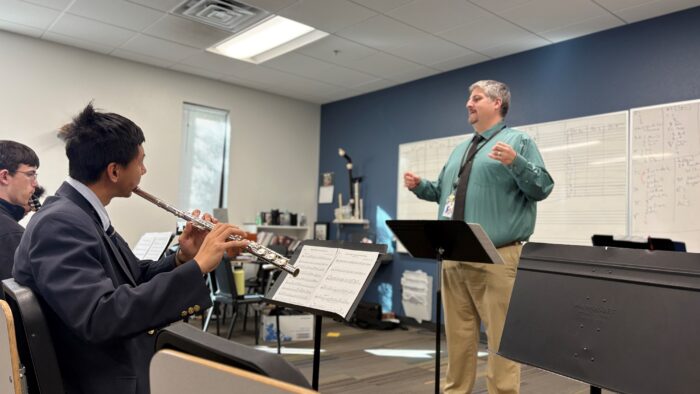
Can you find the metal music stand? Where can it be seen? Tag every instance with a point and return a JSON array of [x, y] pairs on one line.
[[319, 313], [444, 240]]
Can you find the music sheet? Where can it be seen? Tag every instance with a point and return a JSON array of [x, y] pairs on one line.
[[152, 245], [329, 279]]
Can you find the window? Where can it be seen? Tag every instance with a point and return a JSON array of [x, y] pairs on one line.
[[204, 164]]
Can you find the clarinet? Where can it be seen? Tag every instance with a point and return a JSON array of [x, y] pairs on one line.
[[254, 248], [34, 203]]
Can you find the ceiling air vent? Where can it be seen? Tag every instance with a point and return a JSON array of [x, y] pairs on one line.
[[227, 15]]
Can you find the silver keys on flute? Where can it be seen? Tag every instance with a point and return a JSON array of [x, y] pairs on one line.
[[254, 248]]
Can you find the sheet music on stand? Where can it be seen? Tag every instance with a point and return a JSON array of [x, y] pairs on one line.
[[331, 279], [151, 246]]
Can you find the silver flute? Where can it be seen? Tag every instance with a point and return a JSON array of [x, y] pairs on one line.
[[254, 248]]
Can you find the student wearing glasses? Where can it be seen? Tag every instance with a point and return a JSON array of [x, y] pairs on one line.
[[18, 173]]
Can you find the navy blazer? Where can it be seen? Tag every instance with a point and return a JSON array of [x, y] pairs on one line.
[[101, 311]]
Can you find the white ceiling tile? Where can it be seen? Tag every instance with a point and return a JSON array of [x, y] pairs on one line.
[[309, 86], [257, 85], [459, 62], [435, 16], [216, 63], [498, 6], [238, 81], [141, 58], [614, 5], [118, 13], [27, 14], [336, 50], [383, 65], [53, 4], [91, 30], [382, 5], [341, 76], [429, 50], [653, 9], [271, 5], [187, 32], [519, 44], [374, 85], [544, 15], [382, 33], [280, 81], [299, 95], [20, 29], [197, 71], [77, 42], [487, 32], [162, 5], [582, 28], [412, 75], [263, 75], [340, 96], [327, 15], [155, 47], [298, 64]]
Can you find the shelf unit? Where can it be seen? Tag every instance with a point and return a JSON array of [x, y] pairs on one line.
[[349, 222]]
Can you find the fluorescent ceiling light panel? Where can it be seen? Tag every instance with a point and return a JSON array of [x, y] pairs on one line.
[[271, 38]]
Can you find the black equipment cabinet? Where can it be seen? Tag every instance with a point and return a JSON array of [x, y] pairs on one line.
[[621, 319]]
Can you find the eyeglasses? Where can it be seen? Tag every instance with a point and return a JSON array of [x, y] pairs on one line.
[[30, 174]]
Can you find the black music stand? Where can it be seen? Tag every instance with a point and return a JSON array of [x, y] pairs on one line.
[[319, 313], [444, 240], [614, 318]]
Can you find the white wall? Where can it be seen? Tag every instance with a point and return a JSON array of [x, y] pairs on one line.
[[274, 139]]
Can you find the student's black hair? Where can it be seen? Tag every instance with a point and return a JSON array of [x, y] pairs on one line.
[[95, 139]]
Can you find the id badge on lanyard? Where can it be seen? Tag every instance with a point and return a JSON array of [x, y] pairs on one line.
[[449, 206]]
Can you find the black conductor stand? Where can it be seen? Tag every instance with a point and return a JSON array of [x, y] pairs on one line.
[[318, 319], [438, 317], [439, 240]]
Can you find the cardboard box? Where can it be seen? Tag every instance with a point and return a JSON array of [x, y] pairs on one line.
[[292, 328]]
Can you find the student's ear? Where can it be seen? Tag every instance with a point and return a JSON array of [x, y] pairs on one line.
[[113, 171], [4, 175]]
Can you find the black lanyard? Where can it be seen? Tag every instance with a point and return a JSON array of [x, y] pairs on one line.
[[466, 159]]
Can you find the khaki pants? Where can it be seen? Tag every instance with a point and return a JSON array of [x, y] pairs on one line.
[[472, 293]]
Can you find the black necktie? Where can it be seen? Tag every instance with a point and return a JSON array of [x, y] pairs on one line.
[[461, 196], [120, 254]]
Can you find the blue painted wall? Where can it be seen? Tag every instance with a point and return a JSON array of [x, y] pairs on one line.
[[646, 63]]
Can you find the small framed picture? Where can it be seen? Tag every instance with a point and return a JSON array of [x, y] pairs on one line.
[[321, 231]]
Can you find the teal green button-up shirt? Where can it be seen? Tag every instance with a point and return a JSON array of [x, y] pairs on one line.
[[502, 199]]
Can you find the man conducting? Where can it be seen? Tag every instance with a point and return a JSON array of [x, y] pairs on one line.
[[103, 303], [494, 179]]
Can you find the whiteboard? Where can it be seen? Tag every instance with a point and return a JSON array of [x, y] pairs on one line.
[[665, 172], [425, 159], [587, 158]]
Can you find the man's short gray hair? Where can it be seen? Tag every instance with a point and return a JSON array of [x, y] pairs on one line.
[[494, 90]]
